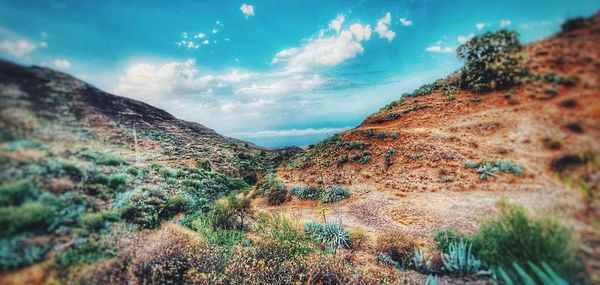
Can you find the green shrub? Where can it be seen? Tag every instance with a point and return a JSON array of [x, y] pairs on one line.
[[16, 193], [381, 135], [460, 260], [277, 196], [362, 158], [306, 192], [85, 253], [489, 169], [493, 61], [389, 155], [68, 207], [515, 237], [330, 234], [102, 158], [444, 238], [334, 194], [27, 216], [147, 208], [16, 252], [99, 220], [369, 133], [117, 181], [274, 228]]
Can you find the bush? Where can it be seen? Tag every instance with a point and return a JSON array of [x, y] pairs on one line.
[[306, 192], [277, 196], [515, 237], [334, 194], [84, 253], [16, 252], [493, 61], [488, 169], [16, 193], [444, 238], [291, 240], [573, 24], [103, 159], [330, 234], [173, 256], [389, 155], [396, 249], [147, 208], [27, 216], [117, 181], [98, 220]]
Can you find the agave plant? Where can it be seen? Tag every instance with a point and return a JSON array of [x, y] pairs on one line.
[[460, 260], [544, 275], [421, 260], [330, 234], [431, 280], [487, 170]]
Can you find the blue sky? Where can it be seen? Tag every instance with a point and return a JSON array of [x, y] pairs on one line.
[[272, 72]]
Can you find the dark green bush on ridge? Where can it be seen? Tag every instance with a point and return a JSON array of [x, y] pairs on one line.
[[493, 61]]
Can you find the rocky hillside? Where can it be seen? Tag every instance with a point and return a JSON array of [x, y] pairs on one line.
[[57, 106], [442, 156]]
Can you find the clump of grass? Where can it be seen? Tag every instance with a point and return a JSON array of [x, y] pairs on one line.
[[98, 220], [334, 194], [362, 158], [28, 216]]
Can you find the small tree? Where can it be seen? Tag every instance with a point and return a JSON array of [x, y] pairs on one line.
[[493, 61]]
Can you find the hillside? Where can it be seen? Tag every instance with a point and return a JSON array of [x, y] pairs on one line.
[[53, 105], [101, 189], [407, 165]]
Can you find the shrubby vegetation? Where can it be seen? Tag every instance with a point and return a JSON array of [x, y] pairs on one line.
[[488, 169], [493, 61], [306, 192], [335, 193]]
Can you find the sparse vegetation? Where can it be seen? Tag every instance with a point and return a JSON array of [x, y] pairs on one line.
[[459, 259]]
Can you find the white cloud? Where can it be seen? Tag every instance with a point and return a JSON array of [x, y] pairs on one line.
[[505, 23], [289, 133], [462, 39], [439, 48], [405, 22], [247, 10], [323, 51], [336, 24], [383, 27], [214, 31], [361, 32], [200, 36], [18, 48], [480, 26], [62, 63]]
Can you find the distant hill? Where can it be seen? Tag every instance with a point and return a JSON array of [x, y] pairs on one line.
[[37, 100]]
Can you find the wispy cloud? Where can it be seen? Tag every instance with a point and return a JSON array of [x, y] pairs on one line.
[[439, 47], [480, 26], [62, 63], [18, 48], [405, 22], [505, 23], [247, 10]]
